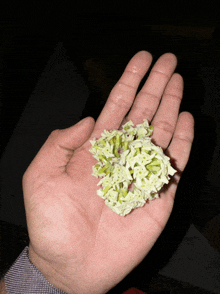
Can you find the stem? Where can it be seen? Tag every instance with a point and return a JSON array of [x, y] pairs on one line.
[[108, 172], [102, 141], [155, 162], [125, 145], [106, 189], [138, 150], [104, 168], [103, 158], [124, 191], [153, 168]]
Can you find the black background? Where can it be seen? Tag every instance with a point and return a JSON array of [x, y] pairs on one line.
[[108, 35]]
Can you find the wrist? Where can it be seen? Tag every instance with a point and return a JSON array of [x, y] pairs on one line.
[[24, 277], [2, 287], [48, 271], [72, 281]]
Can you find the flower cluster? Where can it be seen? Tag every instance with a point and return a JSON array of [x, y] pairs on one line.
[[128, 160]]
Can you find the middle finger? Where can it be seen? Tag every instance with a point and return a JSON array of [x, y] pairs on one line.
[[123, 94], [148, 99]]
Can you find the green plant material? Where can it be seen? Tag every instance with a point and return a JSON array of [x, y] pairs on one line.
[[128, 157]]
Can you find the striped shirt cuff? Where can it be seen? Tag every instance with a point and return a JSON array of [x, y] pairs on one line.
[[24, 278]]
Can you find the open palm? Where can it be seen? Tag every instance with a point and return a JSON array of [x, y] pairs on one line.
[[76, 241]]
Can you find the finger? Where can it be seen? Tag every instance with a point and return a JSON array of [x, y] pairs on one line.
[[123, 93], [165, 120], [56, 152], [179, 150], [148, 99], [181, 144]]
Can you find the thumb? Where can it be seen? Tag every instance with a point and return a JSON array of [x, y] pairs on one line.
[[75, 136], [59, 148]]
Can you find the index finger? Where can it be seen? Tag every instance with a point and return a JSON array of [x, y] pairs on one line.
[[123, 94]]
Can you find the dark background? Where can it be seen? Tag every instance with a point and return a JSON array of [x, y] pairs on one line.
[[100, 38]]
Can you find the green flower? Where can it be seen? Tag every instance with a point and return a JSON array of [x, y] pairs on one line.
[[128, 156]]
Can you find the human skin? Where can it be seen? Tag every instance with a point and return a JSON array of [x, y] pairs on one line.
[[2, 287], [76, 241]]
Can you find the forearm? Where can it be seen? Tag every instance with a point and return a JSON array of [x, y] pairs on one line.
[[2, 287]]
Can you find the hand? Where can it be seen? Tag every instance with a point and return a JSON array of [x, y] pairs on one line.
[[76, 241]]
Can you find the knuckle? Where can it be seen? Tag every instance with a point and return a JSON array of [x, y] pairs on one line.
[[149, 95], [165, 126], [125, 87], [54, 133], [184, 138], [134, 71], [120, 101], [145, 112], [174, 97]]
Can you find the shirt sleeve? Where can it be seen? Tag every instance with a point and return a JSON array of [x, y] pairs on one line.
[[24, 278]]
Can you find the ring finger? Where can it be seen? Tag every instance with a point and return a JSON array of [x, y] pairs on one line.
[[148, 99], [164, 122]]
